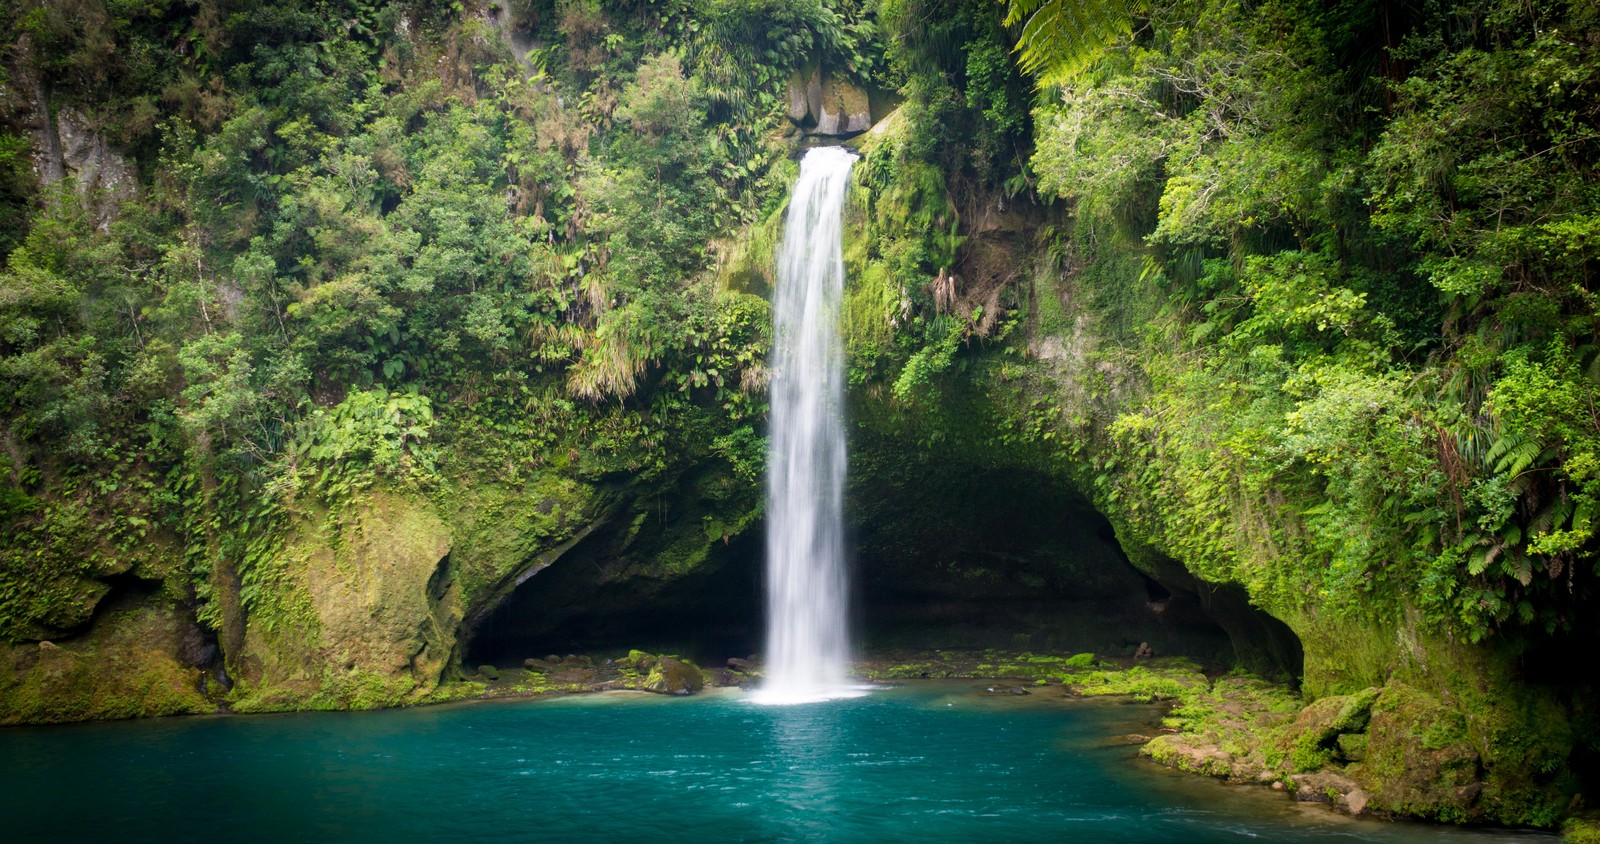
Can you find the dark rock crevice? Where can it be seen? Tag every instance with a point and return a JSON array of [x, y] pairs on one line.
[[946, 553], [709, 614]]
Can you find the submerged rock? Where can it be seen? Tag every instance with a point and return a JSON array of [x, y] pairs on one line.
[[1007, 690]]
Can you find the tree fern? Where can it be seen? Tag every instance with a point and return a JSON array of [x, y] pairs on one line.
[[1513, 454], [1061, 37]]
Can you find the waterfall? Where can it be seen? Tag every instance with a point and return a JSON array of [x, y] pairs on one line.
[[808, 647]]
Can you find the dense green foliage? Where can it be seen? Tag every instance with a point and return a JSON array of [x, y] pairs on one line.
[[1372, 259], [374, 247], [1299, 292]]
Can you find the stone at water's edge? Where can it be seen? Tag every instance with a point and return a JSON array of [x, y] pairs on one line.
[[357, 622], [137, 661], [674, 677]]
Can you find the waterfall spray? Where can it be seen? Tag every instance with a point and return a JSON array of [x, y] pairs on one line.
[[808, 645]]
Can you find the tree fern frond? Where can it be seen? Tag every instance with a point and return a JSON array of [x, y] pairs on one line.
[[1521, 567], [1554, 516], [1513, 454], [1061, 37], [1482, 558]]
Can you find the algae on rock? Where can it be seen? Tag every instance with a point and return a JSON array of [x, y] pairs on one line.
[[138, 660]]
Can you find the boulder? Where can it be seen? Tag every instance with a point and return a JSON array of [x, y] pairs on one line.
[[799, 99], [1006, 690], [743, 665], [488, 672], [844, 109], [1329, 787], [1192, 753], [1419, 759], [1318, 733], [674, 677]]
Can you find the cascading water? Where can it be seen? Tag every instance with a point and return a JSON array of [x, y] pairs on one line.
[[808, 647]]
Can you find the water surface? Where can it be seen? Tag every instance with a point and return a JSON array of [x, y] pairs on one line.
[[925, 763]]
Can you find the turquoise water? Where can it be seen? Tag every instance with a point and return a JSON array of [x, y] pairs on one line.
[[927, 764]]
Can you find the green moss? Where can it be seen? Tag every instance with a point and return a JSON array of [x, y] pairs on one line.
[[1140, 683], [539, 684], [1353, 746], [1309, 753], [498, 530], [1581, 830], [455, 690], [1175, 752], [125, 667]]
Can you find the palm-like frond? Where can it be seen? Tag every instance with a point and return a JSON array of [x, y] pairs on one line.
[[1514, 454], [1061, 37]]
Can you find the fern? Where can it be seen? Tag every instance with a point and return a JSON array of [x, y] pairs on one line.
[[1552, 517], [1481, 560], [1059, 38], [1513, 454]]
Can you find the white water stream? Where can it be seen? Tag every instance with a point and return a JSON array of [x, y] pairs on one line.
[[808, 643]]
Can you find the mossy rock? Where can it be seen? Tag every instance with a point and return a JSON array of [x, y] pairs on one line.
[[363, 613], [129, 665], [1192, 753], [671, 676], [1581, 830], [1419, 761], [489, 672], [1352, 746], [1313, 739]]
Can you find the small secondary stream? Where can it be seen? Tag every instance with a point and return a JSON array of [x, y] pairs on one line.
[[928, 763], [808, 647]]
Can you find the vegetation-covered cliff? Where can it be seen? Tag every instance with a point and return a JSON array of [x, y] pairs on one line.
[[327, 327]]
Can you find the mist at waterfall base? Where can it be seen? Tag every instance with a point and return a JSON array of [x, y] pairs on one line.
[[934, 762], [808, 649]]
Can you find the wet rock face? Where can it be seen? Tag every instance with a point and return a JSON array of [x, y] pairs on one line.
[[825, 104], [65, 144], [378, 605]]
